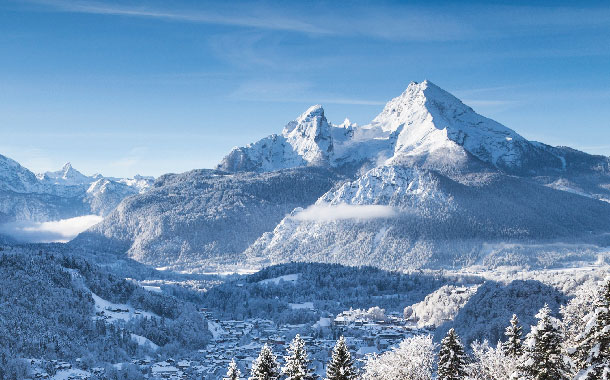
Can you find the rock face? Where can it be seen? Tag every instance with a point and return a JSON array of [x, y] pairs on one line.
[[429, 183], [306, 141], [63, 194]]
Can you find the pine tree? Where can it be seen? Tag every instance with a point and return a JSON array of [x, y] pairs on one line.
[[513, 346], [297, 363], [451, 358], [592, 354], [233, 373], [341, 365], [265, 367], [542, 357]]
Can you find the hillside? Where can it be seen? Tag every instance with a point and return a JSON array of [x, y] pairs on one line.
[[204, 217]]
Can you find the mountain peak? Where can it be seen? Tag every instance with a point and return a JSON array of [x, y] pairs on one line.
[[313, 117], [67, 168], [430, 123], [314, 111], [67, 175], [419, 99], [68, 172], [310, 135], [425, 126]]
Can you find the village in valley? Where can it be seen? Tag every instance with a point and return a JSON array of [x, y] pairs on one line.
[[366, 333]]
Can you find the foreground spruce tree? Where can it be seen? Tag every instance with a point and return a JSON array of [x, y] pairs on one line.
[[592, 353], [542, 357], [297, 363], [265, 367], [233, 372], [513, 346], [341, 365], [451, 358]]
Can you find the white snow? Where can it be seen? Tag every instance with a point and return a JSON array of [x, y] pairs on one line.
[[215, 329], [113, 311], [286, 278], [300, 306], [73, 373], [67, 176], [155, 289], [143, 341], [425, 123], [323, 322]]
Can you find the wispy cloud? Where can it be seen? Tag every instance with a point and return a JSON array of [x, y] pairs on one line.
[[394, 22], [327, 213], [293, 92], [46, 232], [265, 19]]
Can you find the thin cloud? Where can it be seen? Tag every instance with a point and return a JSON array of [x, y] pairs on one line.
[[328, 213], [396, 22], [293, 92], [261, 21], [48, 232]]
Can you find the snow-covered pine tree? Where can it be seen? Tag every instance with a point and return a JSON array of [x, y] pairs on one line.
[[297, 363], [592, 354], [513, 346], [542, 355], [413, 359], [265, 367], [491, 363], [233, 373], [451, 358], [341, 365]]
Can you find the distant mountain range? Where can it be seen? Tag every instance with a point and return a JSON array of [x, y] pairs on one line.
[[66, 193], [429, 183]]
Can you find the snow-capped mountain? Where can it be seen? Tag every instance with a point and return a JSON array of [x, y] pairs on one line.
[[306, 141], [66, 176], [424, 126], [428, 183], [429, 125], [14, 177], [62, 194]]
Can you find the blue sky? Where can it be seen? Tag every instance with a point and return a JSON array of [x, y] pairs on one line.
[[152, 87]]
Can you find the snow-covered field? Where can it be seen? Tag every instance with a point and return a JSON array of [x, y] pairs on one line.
[[114, 311], [291, 278]]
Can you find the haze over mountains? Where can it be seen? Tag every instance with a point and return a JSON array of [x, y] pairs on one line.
[[27, 198], [429, 183]]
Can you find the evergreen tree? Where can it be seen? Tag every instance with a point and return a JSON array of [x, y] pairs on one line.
[[265, 367], [513, 346], [542, 357], [451, 358], [233, 373], [592, 354], [341, 365], [297, 363]]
